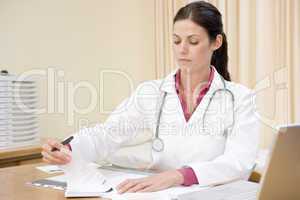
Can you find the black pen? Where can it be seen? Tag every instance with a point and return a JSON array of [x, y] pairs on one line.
[[66, 141]]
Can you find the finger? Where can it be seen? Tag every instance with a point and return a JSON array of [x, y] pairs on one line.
[[150, 188], [62, 155], [65, 150], [57, 155], [127, 186], [46, 160], [66, 153], [54, 144], [122, 184], [52, 159], [59, 159], [139, 187], [46, 147]]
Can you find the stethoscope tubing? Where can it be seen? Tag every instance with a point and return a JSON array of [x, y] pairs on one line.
[[158, 143]]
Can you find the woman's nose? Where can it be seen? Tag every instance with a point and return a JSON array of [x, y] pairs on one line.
[[183, 48]]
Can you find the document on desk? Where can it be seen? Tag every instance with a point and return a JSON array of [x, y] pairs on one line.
[[50, 169], [87, 180], [83, 178], [239, 190], [115, 176]]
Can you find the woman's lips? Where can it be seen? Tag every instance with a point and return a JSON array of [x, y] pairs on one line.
[[184, 60]]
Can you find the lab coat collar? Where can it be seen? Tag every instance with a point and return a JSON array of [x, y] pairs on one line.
[[168, 84]]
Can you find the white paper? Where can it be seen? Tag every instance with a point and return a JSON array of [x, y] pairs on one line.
[[239, 190], [114, 178], [86, 179], [60, 178], [50, 169], [167, 194], [83, 178]]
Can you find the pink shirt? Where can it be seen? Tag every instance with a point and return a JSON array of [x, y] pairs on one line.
[[188, 173]]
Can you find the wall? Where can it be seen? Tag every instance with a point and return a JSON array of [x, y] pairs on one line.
[[70, 44]]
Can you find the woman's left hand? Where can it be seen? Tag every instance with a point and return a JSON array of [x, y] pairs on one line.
[[152, 183]]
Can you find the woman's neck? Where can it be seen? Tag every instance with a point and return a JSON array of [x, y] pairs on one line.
[[193, 80]]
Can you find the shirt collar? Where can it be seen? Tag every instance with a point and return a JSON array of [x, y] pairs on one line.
[[205, 87], [169, 84]]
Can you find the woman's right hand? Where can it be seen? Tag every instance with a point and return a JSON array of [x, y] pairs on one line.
[[60, 157]]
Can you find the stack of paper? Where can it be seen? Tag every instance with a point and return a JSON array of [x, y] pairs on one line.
[[86, 179], [113, 176], [83, 178], [18, 104]]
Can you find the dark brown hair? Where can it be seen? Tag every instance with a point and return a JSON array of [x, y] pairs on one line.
[[208, 17]]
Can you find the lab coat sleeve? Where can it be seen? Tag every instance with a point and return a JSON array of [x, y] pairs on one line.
[[240, 150], [123, 124]]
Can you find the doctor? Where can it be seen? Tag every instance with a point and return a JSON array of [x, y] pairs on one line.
[[204, 126]]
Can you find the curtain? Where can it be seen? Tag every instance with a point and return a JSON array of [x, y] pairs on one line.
[[264, 54], [164, 12]]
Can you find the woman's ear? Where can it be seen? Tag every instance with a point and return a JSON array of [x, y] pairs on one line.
[[218, 42]]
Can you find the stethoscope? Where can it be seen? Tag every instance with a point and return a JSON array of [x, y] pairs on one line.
[[158, 143]]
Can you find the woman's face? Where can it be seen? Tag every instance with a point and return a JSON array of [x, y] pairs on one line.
[[191, 45]]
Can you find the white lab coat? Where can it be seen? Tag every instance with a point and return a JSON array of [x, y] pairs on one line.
[[214, 157]]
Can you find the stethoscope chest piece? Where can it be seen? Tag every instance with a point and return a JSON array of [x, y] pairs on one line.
[[158, 145]]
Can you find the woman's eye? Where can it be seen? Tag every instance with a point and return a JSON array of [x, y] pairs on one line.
[[176, 41], [193, 42]]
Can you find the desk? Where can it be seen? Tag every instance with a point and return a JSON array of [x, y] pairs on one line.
[[21, 155], [13, 184]]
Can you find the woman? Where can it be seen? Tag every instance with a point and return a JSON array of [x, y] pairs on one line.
[[208, 133]]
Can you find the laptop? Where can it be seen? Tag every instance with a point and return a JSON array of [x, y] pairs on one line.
[[280, 181]]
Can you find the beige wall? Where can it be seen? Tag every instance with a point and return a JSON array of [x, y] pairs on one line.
[[83, 38], [80, 39]]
